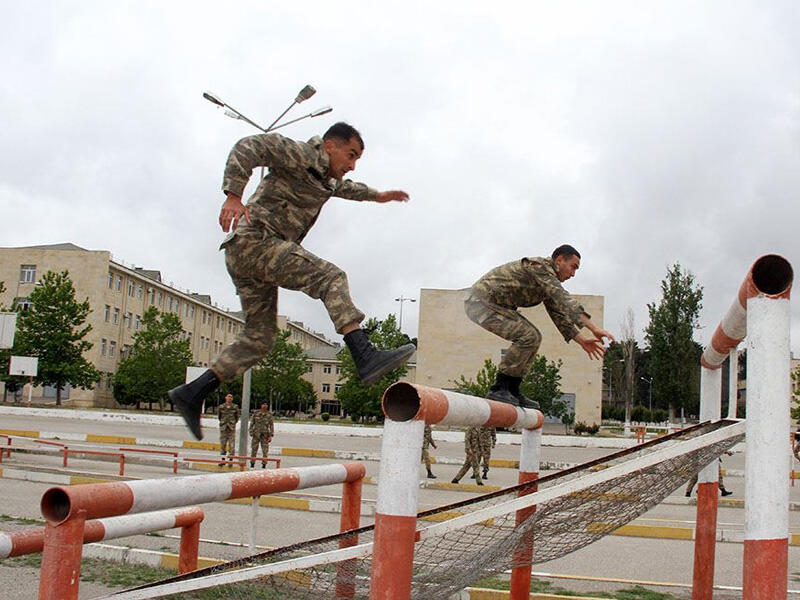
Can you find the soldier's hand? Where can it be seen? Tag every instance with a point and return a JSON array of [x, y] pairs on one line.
[[434, 445], [232, 210], [392, 196], [592, 346]]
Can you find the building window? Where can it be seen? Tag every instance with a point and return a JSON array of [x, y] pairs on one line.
[[103, 344], [309, 369], [119, 283], [27, 273], [110, 280], [326, 369], [230, 326], [112, 349], [137, 323], [338, 369], [191, 312], [189, 337], [337, 387], [326, 388], [125, 351], [23, 304], [151, 296], [127, 319], [131, 288], [140, 291], [115, 320], [205, 317], [106, 313], [160, 300], [219, 322]]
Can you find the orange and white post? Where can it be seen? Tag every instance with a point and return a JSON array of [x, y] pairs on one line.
[[407, 408], [529, 461]]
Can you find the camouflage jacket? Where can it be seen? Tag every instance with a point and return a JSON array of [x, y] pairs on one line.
[[488, 436], [472, 439], [427, 438], [288, 200], [261, 424], [228, 416], [528, 282]]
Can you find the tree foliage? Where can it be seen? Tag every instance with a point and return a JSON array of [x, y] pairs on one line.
[[674, 355], [364, 402], [480, 385], [278, 377], [157, 362], [53, 330], [796, 395]]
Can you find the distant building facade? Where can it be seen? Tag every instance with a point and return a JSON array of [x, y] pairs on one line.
[[118, 296]]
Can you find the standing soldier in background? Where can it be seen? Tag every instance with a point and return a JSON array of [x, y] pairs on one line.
[[488, 440], [493, 302], [427, 440], [261, 430], [472, 448], [229, 415], [263, 252]]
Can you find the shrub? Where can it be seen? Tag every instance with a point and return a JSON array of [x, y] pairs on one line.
[[593, 429], [660, 415], [325, 416], [579, 427], [640, 414]]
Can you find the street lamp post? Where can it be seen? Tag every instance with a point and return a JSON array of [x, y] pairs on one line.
[[402, 299], [649, 392]]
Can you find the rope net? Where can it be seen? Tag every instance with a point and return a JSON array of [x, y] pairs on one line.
[[467, 541]]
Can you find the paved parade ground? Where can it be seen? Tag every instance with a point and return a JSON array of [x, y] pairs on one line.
[[646, 555]]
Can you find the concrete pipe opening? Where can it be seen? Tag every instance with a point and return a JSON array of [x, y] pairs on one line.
[[56, 505], [772, 275], [401, 402]]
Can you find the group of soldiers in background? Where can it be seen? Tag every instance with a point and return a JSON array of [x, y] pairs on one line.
[[478, 444], [261, 429]]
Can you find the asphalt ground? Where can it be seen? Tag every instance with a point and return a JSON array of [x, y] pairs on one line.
[[613, 557]]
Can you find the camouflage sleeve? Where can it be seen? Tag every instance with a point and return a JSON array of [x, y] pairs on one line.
[[271, 425], [238, 414], [564, 311], [355, 191], [263, 150], [494, 436]]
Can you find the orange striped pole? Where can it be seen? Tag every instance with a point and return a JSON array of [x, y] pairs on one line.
[[530, 459], [407, 408], [350, 519]]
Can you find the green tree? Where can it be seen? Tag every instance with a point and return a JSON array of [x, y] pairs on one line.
[[364, 402], [674, 358], [480, 385], [278, 376], [796, 394], [543, 384], [157, 362], [53, 330]]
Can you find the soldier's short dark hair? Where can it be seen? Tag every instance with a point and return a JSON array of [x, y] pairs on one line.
[[344, 132], [566, 251]]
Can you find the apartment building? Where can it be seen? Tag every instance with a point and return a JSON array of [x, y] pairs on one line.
[[118, 295]]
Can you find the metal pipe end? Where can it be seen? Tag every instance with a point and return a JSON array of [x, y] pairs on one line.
[[401, 402], [772, 275], [56, 505]]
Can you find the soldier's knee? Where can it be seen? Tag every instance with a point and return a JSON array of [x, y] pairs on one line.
[[532, 338]]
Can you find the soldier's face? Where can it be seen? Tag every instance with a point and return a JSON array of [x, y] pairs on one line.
[[228, 399], [566, 267], [342, 155]]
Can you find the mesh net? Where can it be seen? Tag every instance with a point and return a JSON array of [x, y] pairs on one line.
[[463, 542]]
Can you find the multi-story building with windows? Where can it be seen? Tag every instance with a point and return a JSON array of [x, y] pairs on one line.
[[119, 295]]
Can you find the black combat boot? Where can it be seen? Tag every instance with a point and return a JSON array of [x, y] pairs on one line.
[[524, 401], [500, 390], [371, 363], [430, 474], [252, 464], [485, 474], [188, 399], [724, 492]]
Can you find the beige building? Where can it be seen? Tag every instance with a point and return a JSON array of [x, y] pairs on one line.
[[118, 295], [450, 345]]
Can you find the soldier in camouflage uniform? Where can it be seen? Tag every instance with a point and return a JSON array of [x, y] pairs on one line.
[[493, 302], [427, 440], [261, 430], [488, 440], [263, 252], [229, 415], [472, 448]]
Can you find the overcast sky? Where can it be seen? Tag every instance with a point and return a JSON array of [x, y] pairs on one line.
[[643, 133]]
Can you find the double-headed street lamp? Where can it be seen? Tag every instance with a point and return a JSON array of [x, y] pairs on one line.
[[649, 391], [402, 299]]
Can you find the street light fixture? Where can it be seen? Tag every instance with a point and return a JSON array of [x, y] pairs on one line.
[[402, 299], [649, 391]]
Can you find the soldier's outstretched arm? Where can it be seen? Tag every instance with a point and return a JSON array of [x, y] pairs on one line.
[[232, 210], [598, 332], [392, 196]]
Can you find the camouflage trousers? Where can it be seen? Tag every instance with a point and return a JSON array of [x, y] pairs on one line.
[[693, 482], [510, 325], [226, 441], [257, 440], [426, 457], [472, 460], [259, 264], [485, 454]]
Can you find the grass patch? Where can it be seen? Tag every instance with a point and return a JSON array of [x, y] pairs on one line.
[[21, 520], [545, 587]]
